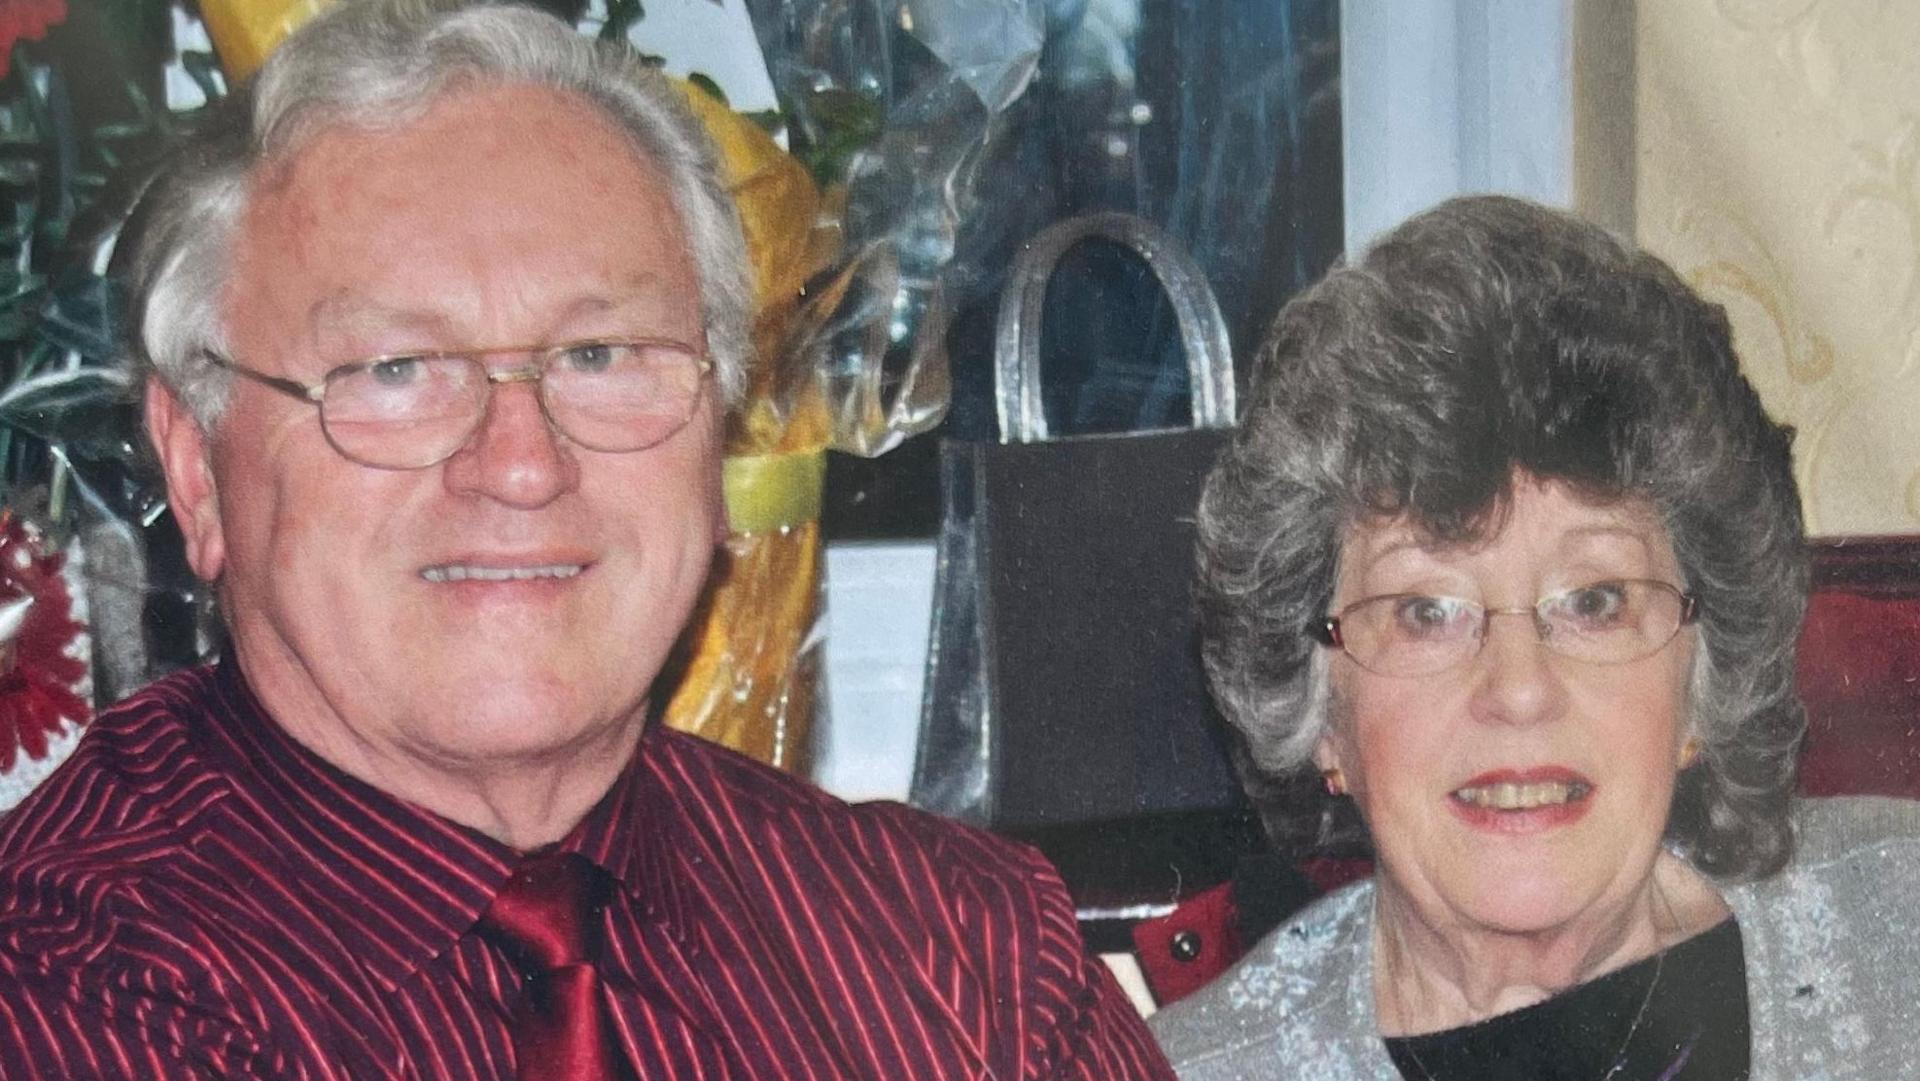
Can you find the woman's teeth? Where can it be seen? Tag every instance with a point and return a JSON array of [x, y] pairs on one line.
[[1522, 797], [459, 573]]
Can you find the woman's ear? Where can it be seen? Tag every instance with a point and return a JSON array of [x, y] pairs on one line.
[[1326, 756]]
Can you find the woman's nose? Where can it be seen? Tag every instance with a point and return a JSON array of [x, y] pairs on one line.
[[1517, 680]]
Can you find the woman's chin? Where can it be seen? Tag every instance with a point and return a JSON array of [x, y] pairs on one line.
[[1540, 912], [1522, 900]]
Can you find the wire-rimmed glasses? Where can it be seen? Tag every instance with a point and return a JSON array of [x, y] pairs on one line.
[[413, 410], [1615, 621]]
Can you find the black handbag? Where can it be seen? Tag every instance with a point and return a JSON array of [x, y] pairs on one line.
[[1064, 687]]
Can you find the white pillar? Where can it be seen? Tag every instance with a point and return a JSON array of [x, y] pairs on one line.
[[1447, 97]]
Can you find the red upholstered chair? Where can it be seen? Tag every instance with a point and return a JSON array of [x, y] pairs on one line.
[[1859, 675], [1859, 670]]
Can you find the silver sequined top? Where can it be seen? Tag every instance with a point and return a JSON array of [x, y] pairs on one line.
[[1832, 949]]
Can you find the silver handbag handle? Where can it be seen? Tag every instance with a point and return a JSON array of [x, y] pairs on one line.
[[1016, 359]]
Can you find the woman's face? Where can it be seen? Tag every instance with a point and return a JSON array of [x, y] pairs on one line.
[[1588, 751]]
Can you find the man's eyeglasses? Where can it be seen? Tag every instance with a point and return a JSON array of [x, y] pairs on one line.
[[414, 410], [1411, 634]]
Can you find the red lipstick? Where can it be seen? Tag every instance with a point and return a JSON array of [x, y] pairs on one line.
[[1515, 801]]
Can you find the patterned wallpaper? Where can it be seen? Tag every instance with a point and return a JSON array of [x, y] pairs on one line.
[[1778, 167]]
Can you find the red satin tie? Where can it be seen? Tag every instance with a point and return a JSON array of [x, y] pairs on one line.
[[547, 919]]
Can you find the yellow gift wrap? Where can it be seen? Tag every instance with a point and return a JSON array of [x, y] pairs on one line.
[[752, 679], [245, 31]]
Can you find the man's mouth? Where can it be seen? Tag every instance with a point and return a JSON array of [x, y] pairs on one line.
[[464, 572], [1524, 796]]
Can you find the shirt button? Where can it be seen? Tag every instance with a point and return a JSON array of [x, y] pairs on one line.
[[1185, 945]]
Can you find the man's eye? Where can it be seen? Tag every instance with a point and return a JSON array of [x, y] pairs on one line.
[[397, 371], [591, 356]]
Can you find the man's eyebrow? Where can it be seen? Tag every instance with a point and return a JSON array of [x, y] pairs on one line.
[[347, 310], [635, 288]]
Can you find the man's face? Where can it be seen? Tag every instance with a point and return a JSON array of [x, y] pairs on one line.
[[504, 216]]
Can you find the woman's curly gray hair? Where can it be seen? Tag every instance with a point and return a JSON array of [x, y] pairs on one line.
[[1482, 339]]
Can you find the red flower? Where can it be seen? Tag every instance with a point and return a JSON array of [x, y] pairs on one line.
[[37, 677], [26, 20]]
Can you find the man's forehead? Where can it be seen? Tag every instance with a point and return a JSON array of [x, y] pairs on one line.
[[352, 310], [334, 140], [504, 211]]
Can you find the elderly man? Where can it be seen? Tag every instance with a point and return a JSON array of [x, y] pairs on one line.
[[443, 325]]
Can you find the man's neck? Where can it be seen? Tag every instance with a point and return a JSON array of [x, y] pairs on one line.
[[524, 801], [525, 804]]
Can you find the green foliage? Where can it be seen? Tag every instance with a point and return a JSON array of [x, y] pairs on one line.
[[840, 124], [621, 15], [67, 421]]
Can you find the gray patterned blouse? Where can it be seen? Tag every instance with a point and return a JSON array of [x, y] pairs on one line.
[[1833, 970]]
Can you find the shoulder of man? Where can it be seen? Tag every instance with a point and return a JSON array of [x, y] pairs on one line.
[[979, 922], [135, 780], [92, 978], [1288, 1002], [889, 841]]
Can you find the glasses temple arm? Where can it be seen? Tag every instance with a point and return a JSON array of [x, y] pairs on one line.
[[1325, 631], [285, 386]]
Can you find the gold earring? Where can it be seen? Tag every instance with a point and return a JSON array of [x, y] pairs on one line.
[[1336, 781], [1689, 752]]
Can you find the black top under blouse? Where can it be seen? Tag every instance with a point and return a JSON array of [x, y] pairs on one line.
[[1693, 1026]]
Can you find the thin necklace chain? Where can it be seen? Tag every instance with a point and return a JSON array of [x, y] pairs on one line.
[[1620, 1054]]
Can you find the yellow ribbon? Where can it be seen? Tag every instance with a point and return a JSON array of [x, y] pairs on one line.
[[768, 492]]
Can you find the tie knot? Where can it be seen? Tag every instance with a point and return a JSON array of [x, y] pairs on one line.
[[547, 916]]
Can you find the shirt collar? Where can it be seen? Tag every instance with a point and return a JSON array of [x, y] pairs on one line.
[[633, 832], [404, 883]]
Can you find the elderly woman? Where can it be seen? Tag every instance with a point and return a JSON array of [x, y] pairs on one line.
[[1502, 574]]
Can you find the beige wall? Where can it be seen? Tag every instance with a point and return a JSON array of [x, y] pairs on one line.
[[1777, 165]]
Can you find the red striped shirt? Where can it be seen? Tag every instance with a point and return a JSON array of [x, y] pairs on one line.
[[195, 894]]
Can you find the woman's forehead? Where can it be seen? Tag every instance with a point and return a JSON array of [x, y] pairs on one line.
[[1538, 520]]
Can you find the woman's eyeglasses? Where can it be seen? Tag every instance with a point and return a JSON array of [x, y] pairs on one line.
[[1412, 634]]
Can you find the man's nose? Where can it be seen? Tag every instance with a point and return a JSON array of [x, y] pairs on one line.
[[1516, 680], [515, 456]]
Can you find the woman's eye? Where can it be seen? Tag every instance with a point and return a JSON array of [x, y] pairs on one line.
[[1595, 604], [1427, 615]]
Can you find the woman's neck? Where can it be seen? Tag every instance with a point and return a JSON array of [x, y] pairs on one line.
[[1434, 974]]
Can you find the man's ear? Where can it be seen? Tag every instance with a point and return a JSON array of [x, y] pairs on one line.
[[191, 492]]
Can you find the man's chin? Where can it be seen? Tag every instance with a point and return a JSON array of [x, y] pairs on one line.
[[498, 735]]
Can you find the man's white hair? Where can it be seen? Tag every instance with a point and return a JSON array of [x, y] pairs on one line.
[[379, 64]]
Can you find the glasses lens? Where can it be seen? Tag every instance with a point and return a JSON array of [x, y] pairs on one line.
[[1612, 622], [404, 412], [621, 396], [1410, 634]]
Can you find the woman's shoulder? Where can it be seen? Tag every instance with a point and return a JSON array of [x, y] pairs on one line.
[[1301, 996], [1832, 942], [1855, 860], [1846, 828]]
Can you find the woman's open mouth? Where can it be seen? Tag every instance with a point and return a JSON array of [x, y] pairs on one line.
[[1522, 801], [1507, 796]]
